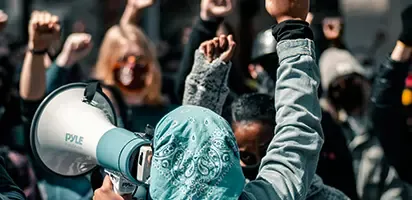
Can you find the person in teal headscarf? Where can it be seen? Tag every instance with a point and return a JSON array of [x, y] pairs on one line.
[[195, 157], [195, 151]]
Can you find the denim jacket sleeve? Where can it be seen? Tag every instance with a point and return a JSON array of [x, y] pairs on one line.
[[287, 170], [206, 85]]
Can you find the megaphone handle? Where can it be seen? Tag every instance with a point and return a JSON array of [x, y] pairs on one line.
[[120, 185]]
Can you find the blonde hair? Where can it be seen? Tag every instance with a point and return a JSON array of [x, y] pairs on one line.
[[110, 51]]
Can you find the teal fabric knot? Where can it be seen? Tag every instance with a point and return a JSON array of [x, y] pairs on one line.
[[195, 157]]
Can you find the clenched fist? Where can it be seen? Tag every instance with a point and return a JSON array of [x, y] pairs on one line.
[[76, 47], [3, 20], [222, 47], [216, 8], [44, 29], [283, 10]]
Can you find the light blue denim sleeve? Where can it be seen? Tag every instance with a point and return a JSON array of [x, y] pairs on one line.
[[289, 166]]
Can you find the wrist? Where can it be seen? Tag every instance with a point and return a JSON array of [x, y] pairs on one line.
[[292, 30], [401, 52], [204, 16], [33, 46], [63, 60]]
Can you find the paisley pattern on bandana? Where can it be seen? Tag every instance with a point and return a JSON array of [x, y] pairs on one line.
[[195, 156]]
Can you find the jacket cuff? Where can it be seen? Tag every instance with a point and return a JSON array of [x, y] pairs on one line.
[[290, 48]]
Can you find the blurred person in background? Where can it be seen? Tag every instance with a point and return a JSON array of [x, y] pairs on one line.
[[327, 23], [44, 29], [12, 147], [335, 161], [208, 25], [8, 189], [390, 111], [347, 89], [127, 64]]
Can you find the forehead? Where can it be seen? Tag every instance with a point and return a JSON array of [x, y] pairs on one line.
[[252, 132], [131, 48]]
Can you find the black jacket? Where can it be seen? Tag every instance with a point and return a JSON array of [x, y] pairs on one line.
[[389, 116]]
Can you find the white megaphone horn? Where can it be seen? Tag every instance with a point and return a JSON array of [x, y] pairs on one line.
[[74, 130]]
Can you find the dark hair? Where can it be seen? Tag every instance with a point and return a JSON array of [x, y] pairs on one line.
[[254, 107]]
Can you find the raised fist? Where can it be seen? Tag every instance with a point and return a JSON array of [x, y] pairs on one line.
[[282, 10], [140, 4], [222, 47], [3, 20], [216, 8], [44, 29], [76, 47]]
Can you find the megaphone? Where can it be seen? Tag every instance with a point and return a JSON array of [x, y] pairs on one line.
[[74, 130]]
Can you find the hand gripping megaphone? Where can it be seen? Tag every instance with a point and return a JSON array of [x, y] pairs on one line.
[[74, 130]]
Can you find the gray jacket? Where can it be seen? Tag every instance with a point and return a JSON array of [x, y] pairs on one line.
[[288, 169]]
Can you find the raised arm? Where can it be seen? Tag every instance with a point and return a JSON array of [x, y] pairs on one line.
[[133, 10], [76, 47], [289, 166], [387, 114], [206, 85], [210, 17], [44, 28]]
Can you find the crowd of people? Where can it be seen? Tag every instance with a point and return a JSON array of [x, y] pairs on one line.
[[315, 123]]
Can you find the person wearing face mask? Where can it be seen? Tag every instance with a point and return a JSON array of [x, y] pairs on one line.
[[347, 89], [254, 115], [127, 65]]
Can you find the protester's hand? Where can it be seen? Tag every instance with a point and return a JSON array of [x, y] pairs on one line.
[[140, 4], [3, 20], [254, 71], [222, 47], [215, 8], [44, 29], [406, 34], [77, 46], [106, 192], [282, 10]]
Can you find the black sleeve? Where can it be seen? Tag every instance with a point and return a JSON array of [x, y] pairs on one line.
[[8, 189], [202, 31], [388, 117]]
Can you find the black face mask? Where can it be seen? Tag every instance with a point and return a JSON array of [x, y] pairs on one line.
[[250, 172], [349, 94]]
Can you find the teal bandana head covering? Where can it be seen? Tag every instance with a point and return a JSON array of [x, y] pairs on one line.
[[195, 157]]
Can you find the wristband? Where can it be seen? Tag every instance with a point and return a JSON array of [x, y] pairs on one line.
[[38, 52]]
